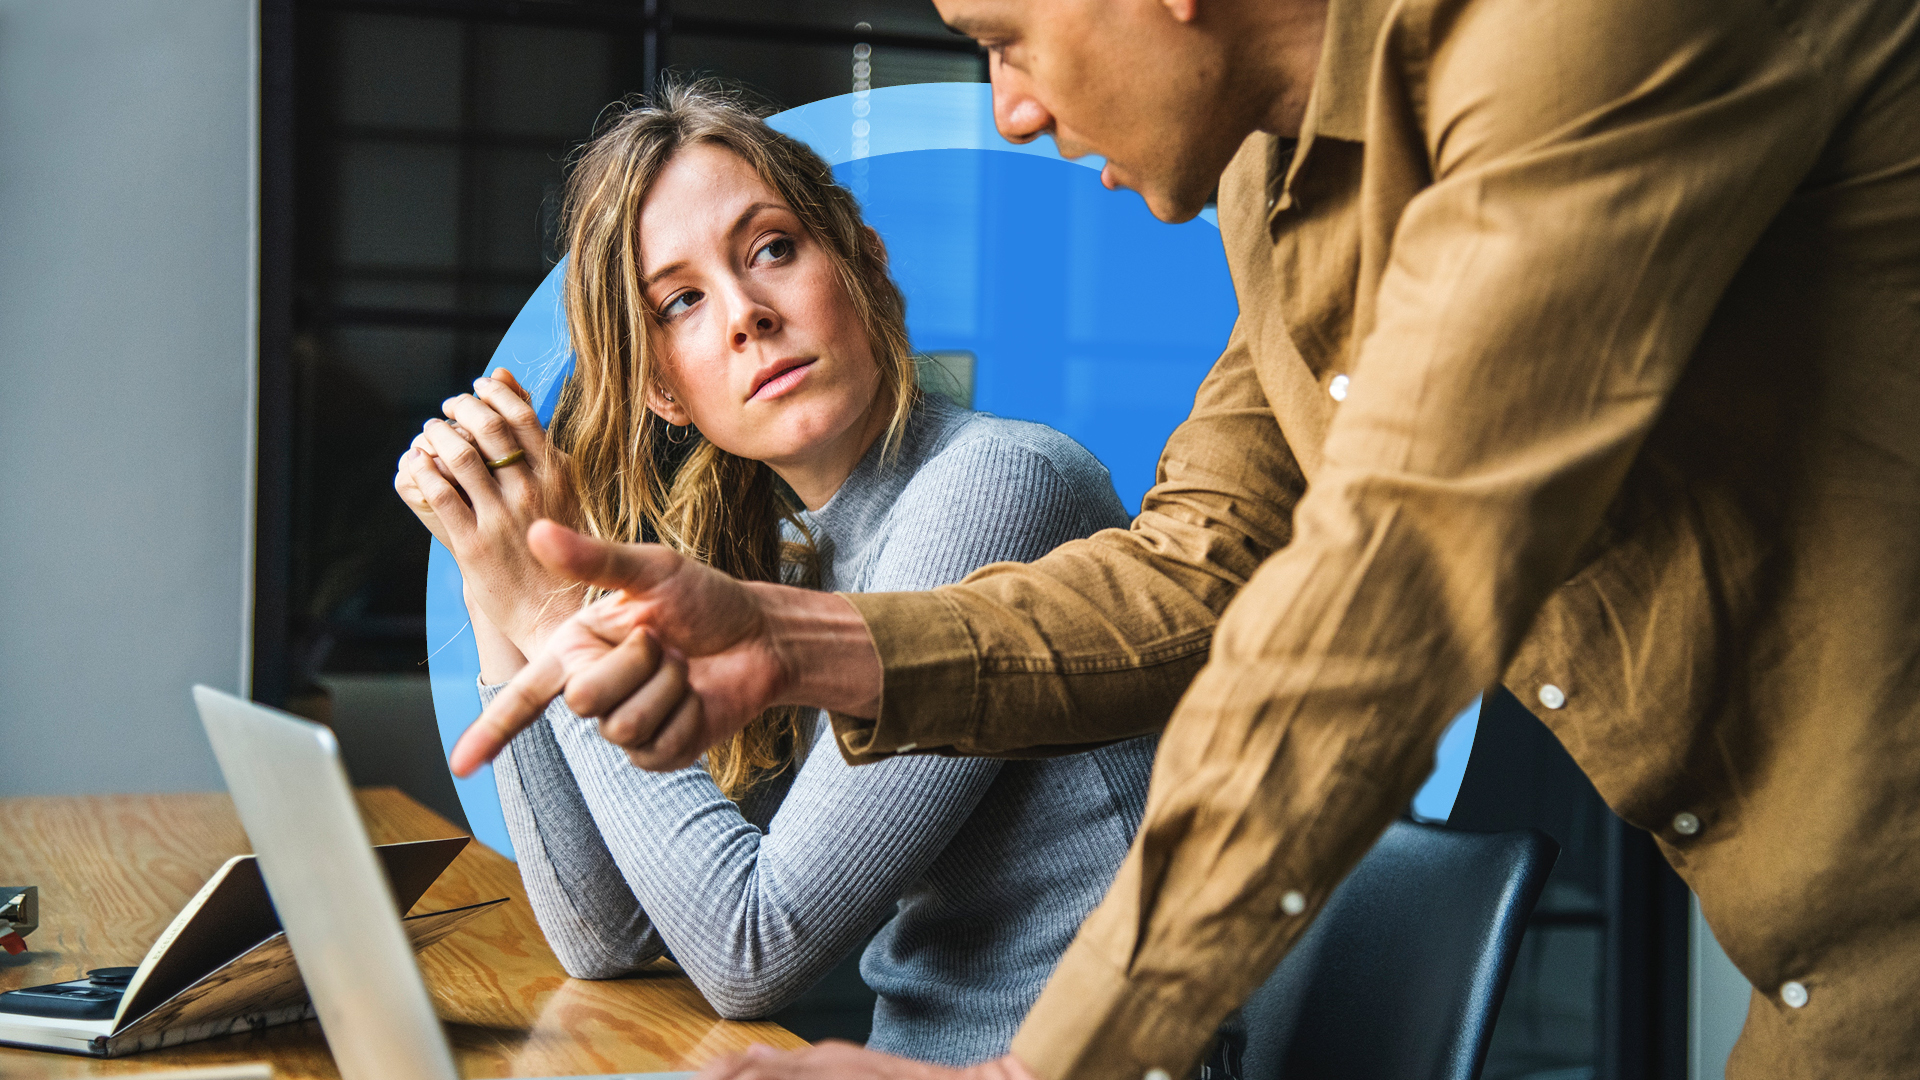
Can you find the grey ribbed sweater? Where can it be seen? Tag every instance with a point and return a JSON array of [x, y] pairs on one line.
[[981, 870]]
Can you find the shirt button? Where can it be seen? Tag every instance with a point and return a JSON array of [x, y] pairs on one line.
[[1337, 388], [1294, 902], [1552, 696], [1685, 824], [907, 748], [1794, 994]]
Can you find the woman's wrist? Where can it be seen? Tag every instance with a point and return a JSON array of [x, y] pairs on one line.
[[500, 658], [826, 656], [560, 601]]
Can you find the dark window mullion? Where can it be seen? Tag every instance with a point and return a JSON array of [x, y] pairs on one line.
[[467, 295]]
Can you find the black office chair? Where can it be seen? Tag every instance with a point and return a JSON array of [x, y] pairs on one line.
[[1400, 976]]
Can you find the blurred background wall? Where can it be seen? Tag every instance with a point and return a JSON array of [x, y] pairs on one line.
[[126, 360]]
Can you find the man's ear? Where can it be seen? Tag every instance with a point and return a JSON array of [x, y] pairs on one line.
[[667, 408], [1182, 10]]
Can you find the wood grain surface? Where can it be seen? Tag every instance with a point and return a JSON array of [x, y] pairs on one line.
[[114, 869]]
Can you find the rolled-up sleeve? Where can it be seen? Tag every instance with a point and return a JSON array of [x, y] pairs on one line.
[[1095, 641]]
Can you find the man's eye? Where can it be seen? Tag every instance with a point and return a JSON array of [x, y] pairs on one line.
[[773, 251], [681, 303]]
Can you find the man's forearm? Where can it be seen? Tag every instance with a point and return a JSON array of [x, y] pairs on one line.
[[1094, 641], [826, 656]]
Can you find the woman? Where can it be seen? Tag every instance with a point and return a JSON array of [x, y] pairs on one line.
[[744, 391]]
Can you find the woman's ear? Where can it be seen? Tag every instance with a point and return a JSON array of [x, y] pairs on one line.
[[661, 402]]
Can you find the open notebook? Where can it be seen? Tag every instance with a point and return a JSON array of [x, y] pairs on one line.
[[222, 966]]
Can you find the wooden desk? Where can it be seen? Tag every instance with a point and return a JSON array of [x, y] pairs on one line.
[[113, 870]]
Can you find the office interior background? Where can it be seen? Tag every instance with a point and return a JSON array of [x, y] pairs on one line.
[[248, 248]]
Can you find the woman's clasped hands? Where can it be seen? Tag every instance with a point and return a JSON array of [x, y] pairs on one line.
[[480, 480], [674, 657], [477, 480]]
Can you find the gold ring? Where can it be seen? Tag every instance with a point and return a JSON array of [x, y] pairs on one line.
[[514, 458]]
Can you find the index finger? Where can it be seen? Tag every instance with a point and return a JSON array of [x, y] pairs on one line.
[[502, 375], [514, 409], [635, 568], [518, 704]]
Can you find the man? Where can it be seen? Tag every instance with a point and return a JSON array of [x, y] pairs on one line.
[[1579, 349]]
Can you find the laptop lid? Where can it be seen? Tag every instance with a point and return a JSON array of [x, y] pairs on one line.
[[287, 782]]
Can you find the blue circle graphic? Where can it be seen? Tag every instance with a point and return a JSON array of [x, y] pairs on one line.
[[1069, 304], [1077, 308]]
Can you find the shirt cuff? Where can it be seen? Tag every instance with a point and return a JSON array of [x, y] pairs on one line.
[[1093, 1021], [930, 678]]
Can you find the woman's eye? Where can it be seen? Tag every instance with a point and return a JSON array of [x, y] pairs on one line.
[[681, 303], [775, 250]]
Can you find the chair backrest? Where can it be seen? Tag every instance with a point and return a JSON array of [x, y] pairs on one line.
[[1400, 976]]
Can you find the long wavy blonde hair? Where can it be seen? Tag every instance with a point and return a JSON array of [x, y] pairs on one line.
[[635, 481]]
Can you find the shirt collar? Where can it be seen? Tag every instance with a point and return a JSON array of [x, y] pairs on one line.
[[1337, 106]]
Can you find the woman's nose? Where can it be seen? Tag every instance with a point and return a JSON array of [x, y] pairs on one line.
[[759, 323]]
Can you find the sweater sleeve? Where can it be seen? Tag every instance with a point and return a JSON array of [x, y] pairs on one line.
[[991, 499], [589, 916], [756, 917]]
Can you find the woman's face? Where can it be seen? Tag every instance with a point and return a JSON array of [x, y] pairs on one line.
[[757, 341]]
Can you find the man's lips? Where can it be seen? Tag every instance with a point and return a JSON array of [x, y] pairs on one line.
[[781, 378]]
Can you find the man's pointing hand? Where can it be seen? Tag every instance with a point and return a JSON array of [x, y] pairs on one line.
[[678, 656]]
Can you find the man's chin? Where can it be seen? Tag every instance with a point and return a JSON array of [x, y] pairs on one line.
[[1173, 209]]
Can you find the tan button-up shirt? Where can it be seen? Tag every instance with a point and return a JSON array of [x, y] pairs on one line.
[[1579, 346]]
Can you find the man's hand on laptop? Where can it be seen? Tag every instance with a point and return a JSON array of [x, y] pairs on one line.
[[678, 656], [834, 1060]]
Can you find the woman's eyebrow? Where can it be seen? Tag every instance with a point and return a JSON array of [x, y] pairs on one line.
[[739, 225]]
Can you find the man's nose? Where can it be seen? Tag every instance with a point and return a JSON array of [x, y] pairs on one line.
[[1019, 116]]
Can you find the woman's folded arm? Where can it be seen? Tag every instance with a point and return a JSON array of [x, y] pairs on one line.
[[589, 916]]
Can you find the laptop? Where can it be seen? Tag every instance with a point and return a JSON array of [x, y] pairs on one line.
[[292, 794]]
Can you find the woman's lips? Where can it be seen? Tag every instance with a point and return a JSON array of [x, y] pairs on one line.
[[782, 382]]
